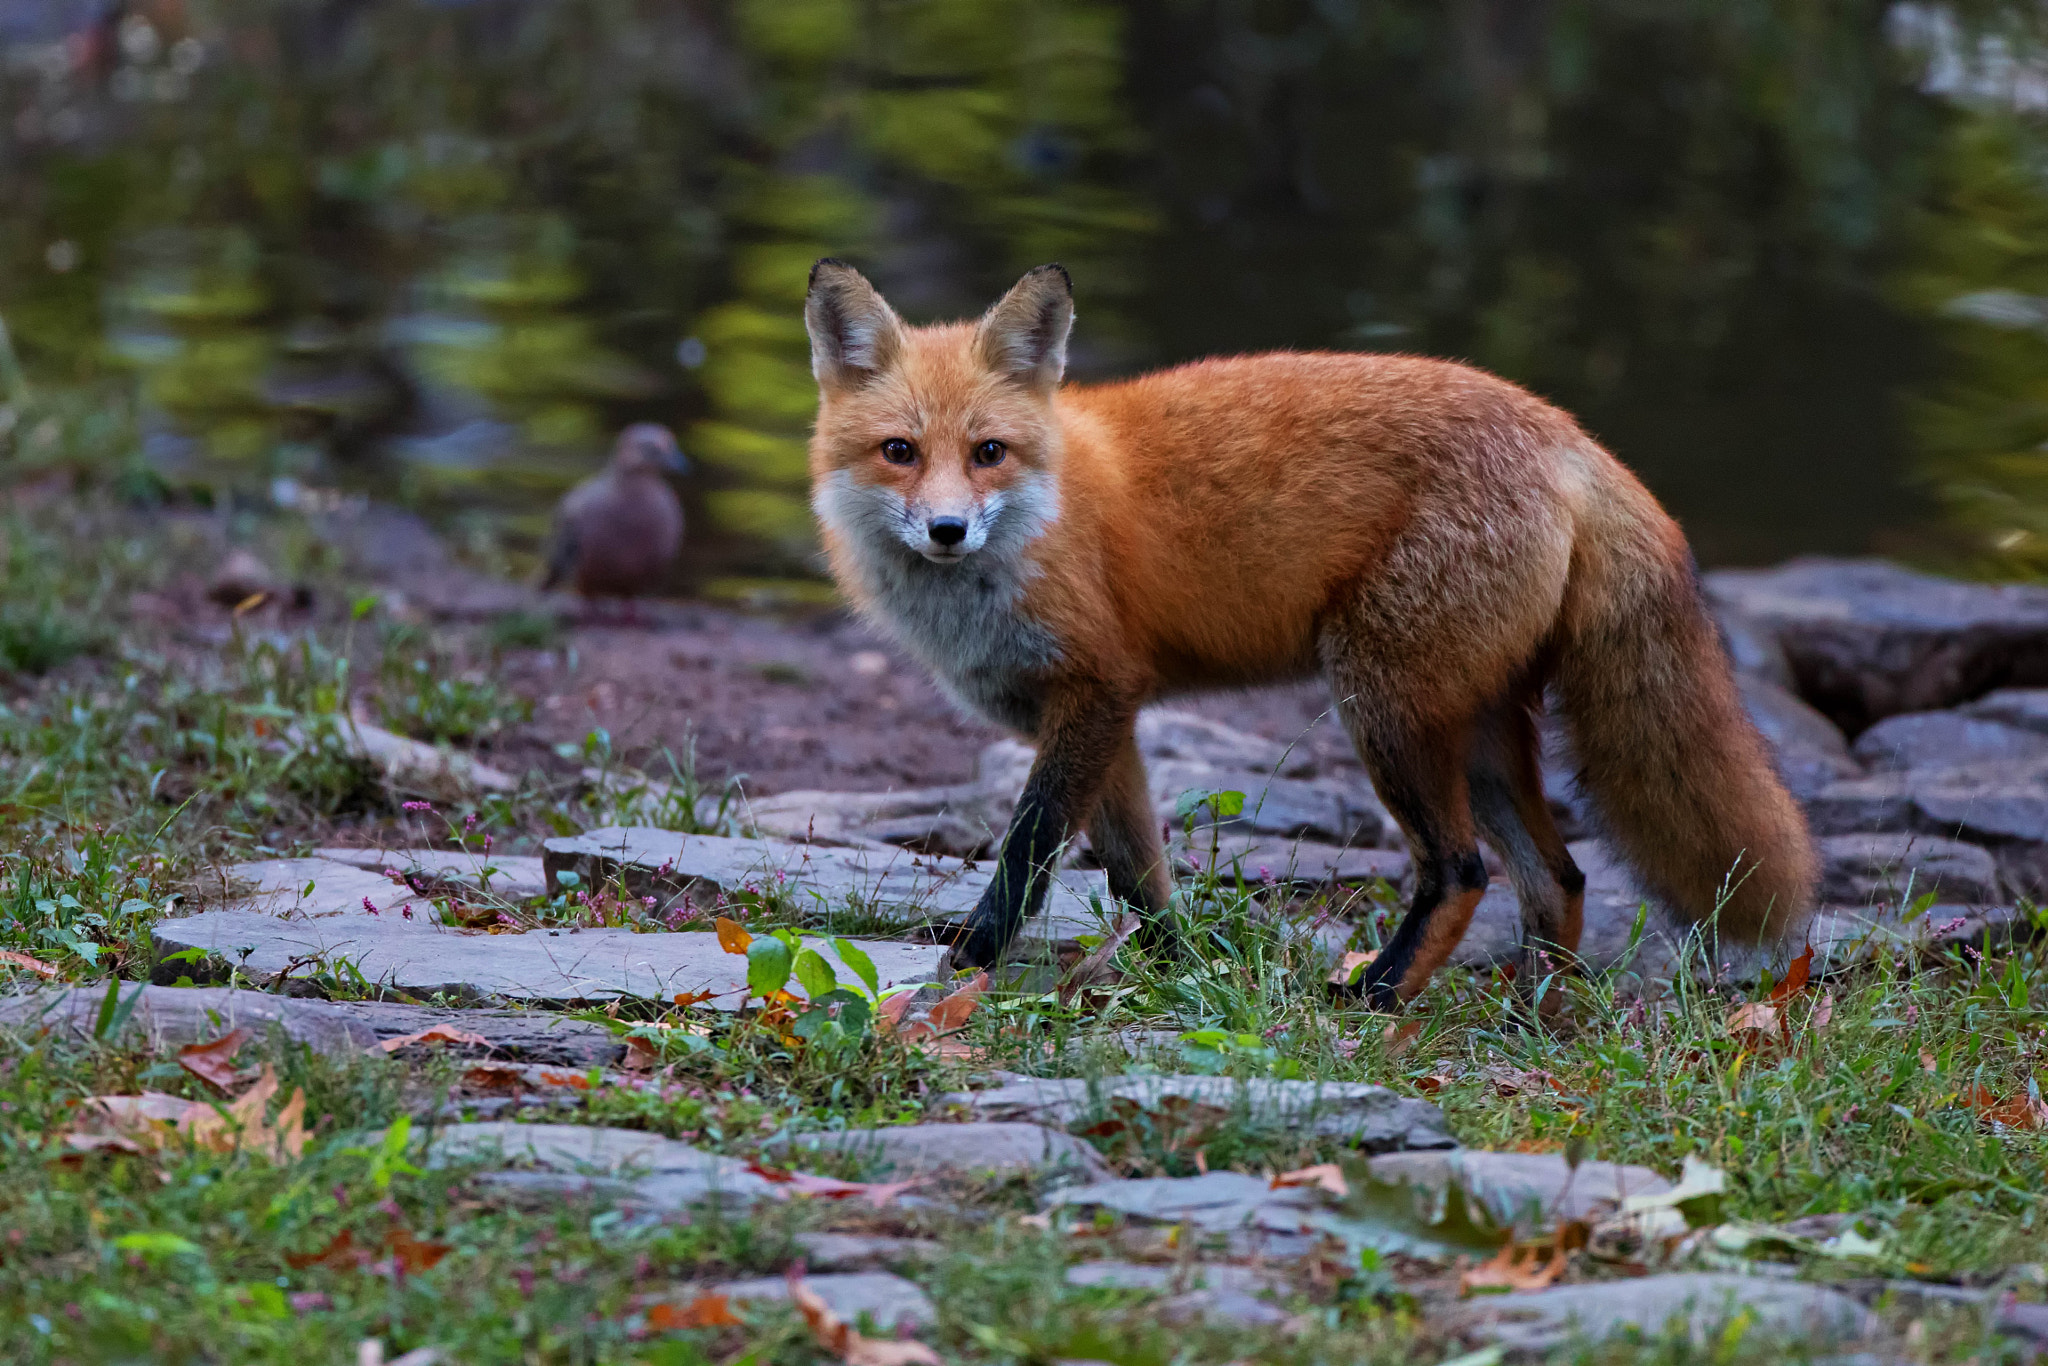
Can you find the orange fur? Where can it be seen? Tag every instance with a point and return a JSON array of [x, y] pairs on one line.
[[1436, 541]]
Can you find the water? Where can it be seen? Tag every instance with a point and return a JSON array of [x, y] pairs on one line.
[[1781, 258]]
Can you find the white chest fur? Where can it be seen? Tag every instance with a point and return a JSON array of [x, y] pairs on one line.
[[965, 621]]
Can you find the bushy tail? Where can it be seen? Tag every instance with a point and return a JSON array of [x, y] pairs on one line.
[[1677, 774]]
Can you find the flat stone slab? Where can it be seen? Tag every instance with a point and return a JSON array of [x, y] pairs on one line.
[[864, 1251], [420, 957], [295, 887], [1005, 1149], [166, 1017], [1529, 1192], [1363, 1115], [1298, 862], [873, 1301], [526, 1036], [659, 1172], [1198, 1291], [1218, 1202], [512, 876], [913, 890], [1538, 1321]]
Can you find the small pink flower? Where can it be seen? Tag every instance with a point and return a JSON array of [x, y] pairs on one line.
[[1951, 926], [1265, 873], [368, 907], [648, 902], [469, 821], [407, 911], [419, 806]]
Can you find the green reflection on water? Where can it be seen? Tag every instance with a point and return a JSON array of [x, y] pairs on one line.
[[440, 251]]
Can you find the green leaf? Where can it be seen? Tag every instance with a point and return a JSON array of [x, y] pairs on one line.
[[855, 1014], [813, 973], [156, 1244], [863, 966], [1225, 802], [768, 965]]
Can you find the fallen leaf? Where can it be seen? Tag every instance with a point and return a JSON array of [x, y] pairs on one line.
[[831, 1187], [340, 1253], [1400, 1036], [641, 1056], [1431, 1084], [1756, 1017], [1797, 973], [1094, 970], [732, 937], [706, 1311], [22, 960], [1328, 1175], [91, 1143], [242, 1126], [2020, 1111], [890, 1012], [1530, 1267], [1350, 965], [1512, 1081], [214, 1063], [414, 1254], [695, 998], [1823, 1012], [440, 1033], [951, 1013], [836, 1336], [1927, 1062]]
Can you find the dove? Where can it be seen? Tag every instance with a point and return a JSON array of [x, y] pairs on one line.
[[616, 534]]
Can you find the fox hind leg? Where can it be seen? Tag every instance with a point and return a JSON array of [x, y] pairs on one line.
[[1124, 833], [1506, 781], [1419, 771]]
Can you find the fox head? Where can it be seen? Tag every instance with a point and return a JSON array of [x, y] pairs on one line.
[[936, 441]]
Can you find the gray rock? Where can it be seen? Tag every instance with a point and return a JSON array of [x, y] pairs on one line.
[[1867, 639], [411, 765], [1363, 1115], [1879, 802], [662, 1173], [2026, 708], [873, 1301], [423, 958], [1753, 649], [988, 1147], [166, 1017], [962, 821], [1946, 739], [1528, 1191], [1866, 869], [526, 1036], [299, 888], [1299, 862], [864, 1251], [1216, 1201], [1538, 1321], [1195, 1291], [1166, 734], [511, 876], [1810, 752], [1329, 810], [918, 890]]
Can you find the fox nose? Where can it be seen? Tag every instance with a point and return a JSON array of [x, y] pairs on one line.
[[948, 531]]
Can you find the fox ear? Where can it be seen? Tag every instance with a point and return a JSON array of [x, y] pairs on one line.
[[854, 332], [1025, 335]]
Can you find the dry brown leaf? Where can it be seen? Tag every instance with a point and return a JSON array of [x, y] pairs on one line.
[[80, 1143], [1397, 1038], [440, 1033], [1927, 1062], [1823, 1012], [1349, 966], [1327, 1175], [694, 998], [214, 1063], [890, 1012], [1797, 973], [414, 1254], [2014, 1112], [340, 1253], [837, 1336], [708, 1310], [732, 937], [1094, 970], [21, 960], [1757, 1018], [641, 1056], [1431, 1084], [1512, 1081], [951, 1013], [831, 1187], [1533, 1267], [241, 1125]]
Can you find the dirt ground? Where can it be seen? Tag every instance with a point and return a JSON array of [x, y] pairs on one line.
[[801, 702]]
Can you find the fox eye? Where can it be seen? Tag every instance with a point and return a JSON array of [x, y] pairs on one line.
[[897, 451], [990, 453]]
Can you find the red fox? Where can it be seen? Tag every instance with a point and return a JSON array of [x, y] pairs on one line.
[[1438, 543]]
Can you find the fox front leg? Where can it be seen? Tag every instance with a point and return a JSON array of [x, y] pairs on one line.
[[1078, 744]]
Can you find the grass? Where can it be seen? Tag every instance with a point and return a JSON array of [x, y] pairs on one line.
[[137, 759]]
